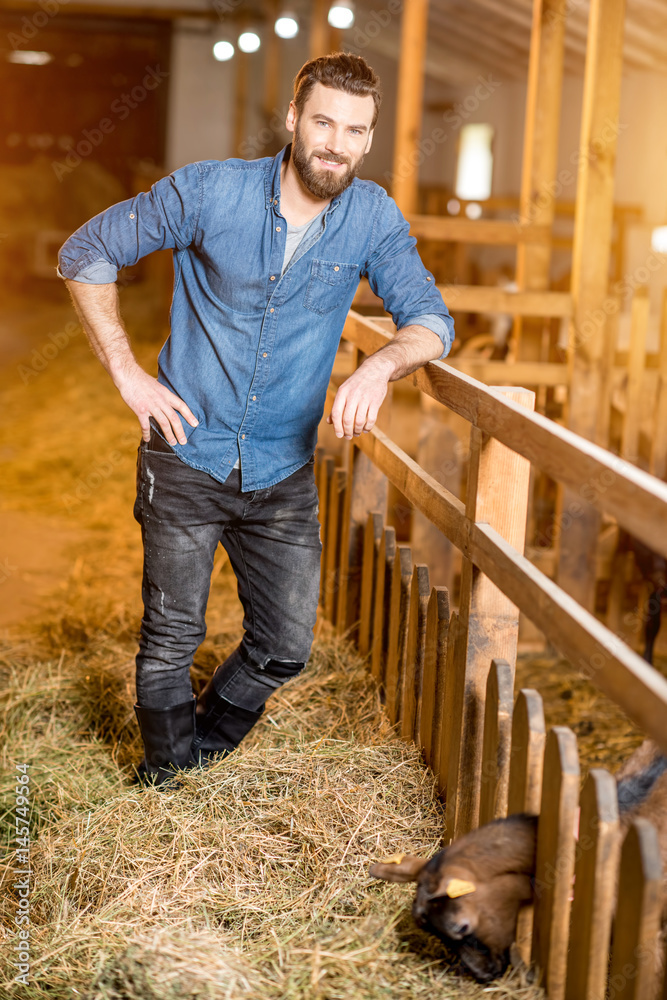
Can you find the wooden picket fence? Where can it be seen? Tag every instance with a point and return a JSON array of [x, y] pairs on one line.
[[448, 677]]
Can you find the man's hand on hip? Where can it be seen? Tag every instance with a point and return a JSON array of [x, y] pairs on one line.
[[149, 398]]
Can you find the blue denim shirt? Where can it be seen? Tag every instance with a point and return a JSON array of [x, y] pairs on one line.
[[251, 351]]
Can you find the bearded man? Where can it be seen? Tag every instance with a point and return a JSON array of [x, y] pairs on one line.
[[267, 257]]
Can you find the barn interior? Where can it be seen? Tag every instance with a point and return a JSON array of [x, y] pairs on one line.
[[526, 143]]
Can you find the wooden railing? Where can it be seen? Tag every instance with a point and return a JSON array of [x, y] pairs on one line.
[[448, 679], [633, 401]]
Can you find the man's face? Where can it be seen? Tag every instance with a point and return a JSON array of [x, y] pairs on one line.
[[331, 138]]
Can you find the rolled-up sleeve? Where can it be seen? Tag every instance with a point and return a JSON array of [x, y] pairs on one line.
[[166, 217], [397, 275]]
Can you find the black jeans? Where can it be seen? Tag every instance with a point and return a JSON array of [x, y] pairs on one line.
[[272, 537]]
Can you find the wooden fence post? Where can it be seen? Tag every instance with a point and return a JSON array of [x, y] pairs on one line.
[[610, 335], [554, 866], [447, 712], [399, 610], [659, 443], [383, 571], [367, 490], [372, 537], [635, 957], [345, 536], [636, 365], [525, 784], [413, 673], [324, 476], [497, 738], [497, 493], [527, 756], [597, 852], [454, 704], [437, 631], [335, 509]]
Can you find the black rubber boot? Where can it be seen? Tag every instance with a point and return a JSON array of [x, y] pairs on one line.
[[221, 729], [167, 735]]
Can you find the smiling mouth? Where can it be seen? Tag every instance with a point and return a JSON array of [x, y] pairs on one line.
[[330, 164]]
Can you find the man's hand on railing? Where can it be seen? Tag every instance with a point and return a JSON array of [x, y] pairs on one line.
[[359, 398]]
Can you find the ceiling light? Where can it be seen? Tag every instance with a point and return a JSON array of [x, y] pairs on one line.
[[341, 14], [287, 25], [249, 41], [659, 239], [29, 58], [223, 50]]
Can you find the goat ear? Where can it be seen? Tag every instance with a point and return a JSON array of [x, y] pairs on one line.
[[453, 888], [398, 868]]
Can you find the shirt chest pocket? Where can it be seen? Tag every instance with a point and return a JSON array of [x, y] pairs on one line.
[[330, 285]]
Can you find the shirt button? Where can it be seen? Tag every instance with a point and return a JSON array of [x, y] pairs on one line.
[[336, 268], [254, 397], [131, 215], [428, 279], [264, 355], [271, 309], [277, 229], [273, 277], [243, 436]]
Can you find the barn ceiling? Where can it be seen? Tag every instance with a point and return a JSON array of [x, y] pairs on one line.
[[465, 37], [470, 36]]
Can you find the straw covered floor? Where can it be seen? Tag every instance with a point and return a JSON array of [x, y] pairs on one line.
[[252, 879]]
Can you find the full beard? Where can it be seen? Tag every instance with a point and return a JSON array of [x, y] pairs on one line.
[[322, 183]]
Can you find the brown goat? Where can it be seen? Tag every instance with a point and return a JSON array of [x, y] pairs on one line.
[[469, 894]]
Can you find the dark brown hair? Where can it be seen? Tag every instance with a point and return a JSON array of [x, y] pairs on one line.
[[341, 71]]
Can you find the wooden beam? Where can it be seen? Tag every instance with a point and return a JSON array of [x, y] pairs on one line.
[[271, 62], [659, 447], [635, 55], [540, 140], [241, 98], [496, 494], [636, 362], [319, 29], [495, 232], [489, 299], [600, 479], [590, 266], [125, 10], [405, 177]]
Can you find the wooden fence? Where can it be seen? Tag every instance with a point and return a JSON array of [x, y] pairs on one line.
[[448, 677], [632, 418]]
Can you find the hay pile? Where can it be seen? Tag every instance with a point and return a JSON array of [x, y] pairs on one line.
[[251, 880], [605, 735]]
